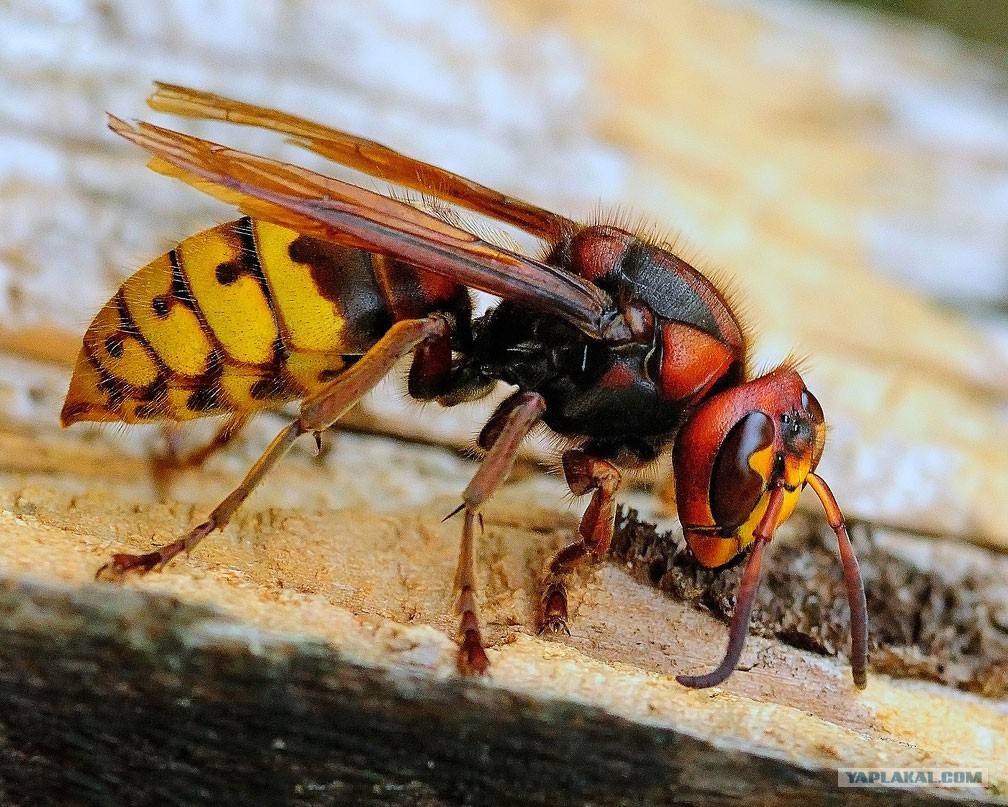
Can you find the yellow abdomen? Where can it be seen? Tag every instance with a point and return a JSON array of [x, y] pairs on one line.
[[240, 317]]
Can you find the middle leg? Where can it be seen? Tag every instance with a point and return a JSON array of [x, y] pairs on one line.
[[502, 437], [167, 464]]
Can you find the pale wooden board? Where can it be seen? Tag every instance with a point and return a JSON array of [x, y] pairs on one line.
[[374, 581]]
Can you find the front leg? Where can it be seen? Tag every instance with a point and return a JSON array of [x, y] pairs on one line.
[[584, 473]]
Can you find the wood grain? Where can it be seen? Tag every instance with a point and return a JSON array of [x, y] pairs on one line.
[[242, 716]]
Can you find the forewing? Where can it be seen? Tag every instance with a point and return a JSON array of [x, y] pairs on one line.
[[337, 211], [366, 156]]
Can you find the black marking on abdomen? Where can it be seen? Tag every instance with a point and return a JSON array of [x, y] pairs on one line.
[[115, 390], [179, 285], [153, 397], [128, 326], [346, 278], [243, 228], [280, 351], [182, 294], [278, 382], [204, 399], [227, 273], [249, 262], [207, 393], [158, 388], [269, 388], [114, 345]]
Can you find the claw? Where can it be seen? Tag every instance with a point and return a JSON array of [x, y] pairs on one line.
[[123, 563], [554, 624], [554, 610], [472, 658], [454, 512]]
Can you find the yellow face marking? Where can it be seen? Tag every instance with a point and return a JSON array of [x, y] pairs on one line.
[[745, 532], [119, 354], [310, 320], [177, 337], [762, 461], [794, 475], [796, 470], [237, 311]]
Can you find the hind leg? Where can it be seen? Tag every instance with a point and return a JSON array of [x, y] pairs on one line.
[[158, 558], [317, 413], [167, 464]]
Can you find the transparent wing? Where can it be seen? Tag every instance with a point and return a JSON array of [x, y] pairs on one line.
[[366, 156]]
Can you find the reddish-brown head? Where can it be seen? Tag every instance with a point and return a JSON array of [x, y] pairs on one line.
[[741, 461], [733, 450]]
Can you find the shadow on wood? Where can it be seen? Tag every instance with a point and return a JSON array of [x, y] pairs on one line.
[[131, 698]]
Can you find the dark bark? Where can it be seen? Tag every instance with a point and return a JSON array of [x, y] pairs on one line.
[[115, 697]]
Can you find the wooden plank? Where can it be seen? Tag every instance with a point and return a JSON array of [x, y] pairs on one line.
[[137, 699]]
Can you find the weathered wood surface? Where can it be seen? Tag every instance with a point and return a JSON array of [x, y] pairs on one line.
[[372, 579], [143, 700], [786, 142]]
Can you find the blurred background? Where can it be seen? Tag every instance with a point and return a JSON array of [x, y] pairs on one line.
[[973, 20], [842, 167]]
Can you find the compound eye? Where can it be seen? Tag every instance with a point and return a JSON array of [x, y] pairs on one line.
[[818, 429], [811, 405], [741, 470]]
